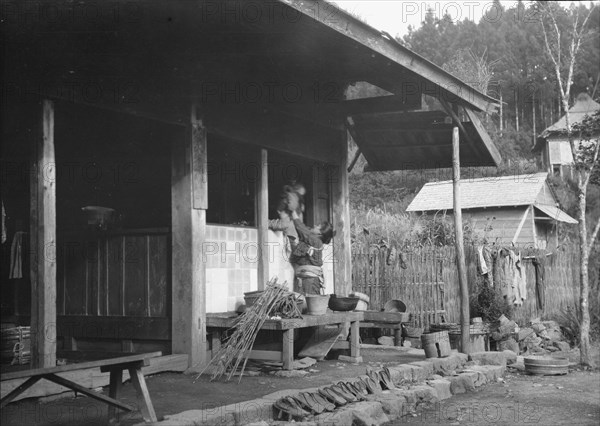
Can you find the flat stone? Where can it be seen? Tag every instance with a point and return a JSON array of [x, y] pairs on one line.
[[386, 341], [538, 327], [488, 358], [446, 365], [563, 346], [442, 388], [509, 344], [490, 372], [401, 373], [338, 417], [553, 330], [305, 362], [426, 368], [511, 357], [391, 403], [464, 382], [365, 413], [425, 394], [290, 373], [525, 333], [418, 374], [410, 399], [351, 359]]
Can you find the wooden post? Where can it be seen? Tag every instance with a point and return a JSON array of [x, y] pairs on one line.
[[189, 200], [263, 221], [42, 234], [342, 267], [460, 249]]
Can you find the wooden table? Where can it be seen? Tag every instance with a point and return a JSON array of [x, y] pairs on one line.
[[132, 363], [219, 322]]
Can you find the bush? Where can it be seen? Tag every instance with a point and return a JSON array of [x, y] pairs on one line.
[[489, 304], [569, 320]]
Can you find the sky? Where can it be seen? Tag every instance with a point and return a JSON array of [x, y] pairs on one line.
[[394, 16]]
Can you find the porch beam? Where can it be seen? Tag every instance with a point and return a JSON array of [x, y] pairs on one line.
[[42, 234], [188, 221], [342, 260], [263, 220]]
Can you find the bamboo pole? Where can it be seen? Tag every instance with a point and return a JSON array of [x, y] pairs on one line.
[[460, 249]]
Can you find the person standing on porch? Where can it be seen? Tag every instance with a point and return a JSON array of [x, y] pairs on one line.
[[307, 256]]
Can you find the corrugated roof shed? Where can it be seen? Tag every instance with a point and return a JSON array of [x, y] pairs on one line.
[[478, 193]]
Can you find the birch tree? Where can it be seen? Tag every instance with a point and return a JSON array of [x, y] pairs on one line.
[[562, 48]]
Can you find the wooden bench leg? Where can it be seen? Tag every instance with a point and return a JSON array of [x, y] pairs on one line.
[[139, 382], [398, 337], [355, 339], [19, 390], [287, 350], [115, 385]]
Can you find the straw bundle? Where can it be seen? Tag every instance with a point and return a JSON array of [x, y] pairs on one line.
[[275, 300]]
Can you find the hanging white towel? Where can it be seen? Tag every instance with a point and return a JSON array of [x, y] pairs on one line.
[[483, 268], [16, 256]]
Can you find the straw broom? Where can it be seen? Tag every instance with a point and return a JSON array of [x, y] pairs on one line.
[[236, 350]]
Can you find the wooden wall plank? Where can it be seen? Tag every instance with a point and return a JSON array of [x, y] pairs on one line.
[[92, 269], [42, 235], [114, 275], [157, 278], [102, 277], [135, 275], [75, 278]]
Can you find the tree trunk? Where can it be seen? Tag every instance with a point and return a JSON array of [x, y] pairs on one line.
[[584, 329]]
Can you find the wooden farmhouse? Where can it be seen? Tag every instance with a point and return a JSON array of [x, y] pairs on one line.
[[553, 145], [521, 209], [187, 118]]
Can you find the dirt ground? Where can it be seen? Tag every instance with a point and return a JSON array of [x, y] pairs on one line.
[[572, 399]]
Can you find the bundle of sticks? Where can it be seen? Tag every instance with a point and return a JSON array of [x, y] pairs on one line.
[[276, 300]]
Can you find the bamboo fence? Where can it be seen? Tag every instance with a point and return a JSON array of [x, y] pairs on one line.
[[429, 284]]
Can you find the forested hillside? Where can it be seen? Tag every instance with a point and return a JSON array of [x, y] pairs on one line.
[[510, 42]]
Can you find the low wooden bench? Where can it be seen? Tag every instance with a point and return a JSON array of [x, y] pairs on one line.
[[115, 366], [386, 320]]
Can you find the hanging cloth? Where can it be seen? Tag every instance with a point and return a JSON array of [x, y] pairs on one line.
[[3, 224], [539, 264], [519, 283], [16, 256]]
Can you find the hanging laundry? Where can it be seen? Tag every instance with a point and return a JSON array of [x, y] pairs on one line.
[[539, 264], [519, 283], [482, 265], [489, 261], [16, 256], [3, 224]]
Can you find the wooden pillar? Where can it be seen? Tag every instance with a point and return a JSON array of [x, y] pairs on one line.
[[189, 201], [262, 220], [460, 249], [342, 256], [42, 234]]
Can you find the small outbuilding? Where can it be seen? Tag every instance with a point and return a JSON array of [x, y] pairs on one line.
[[522, 209], [553, 143]]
